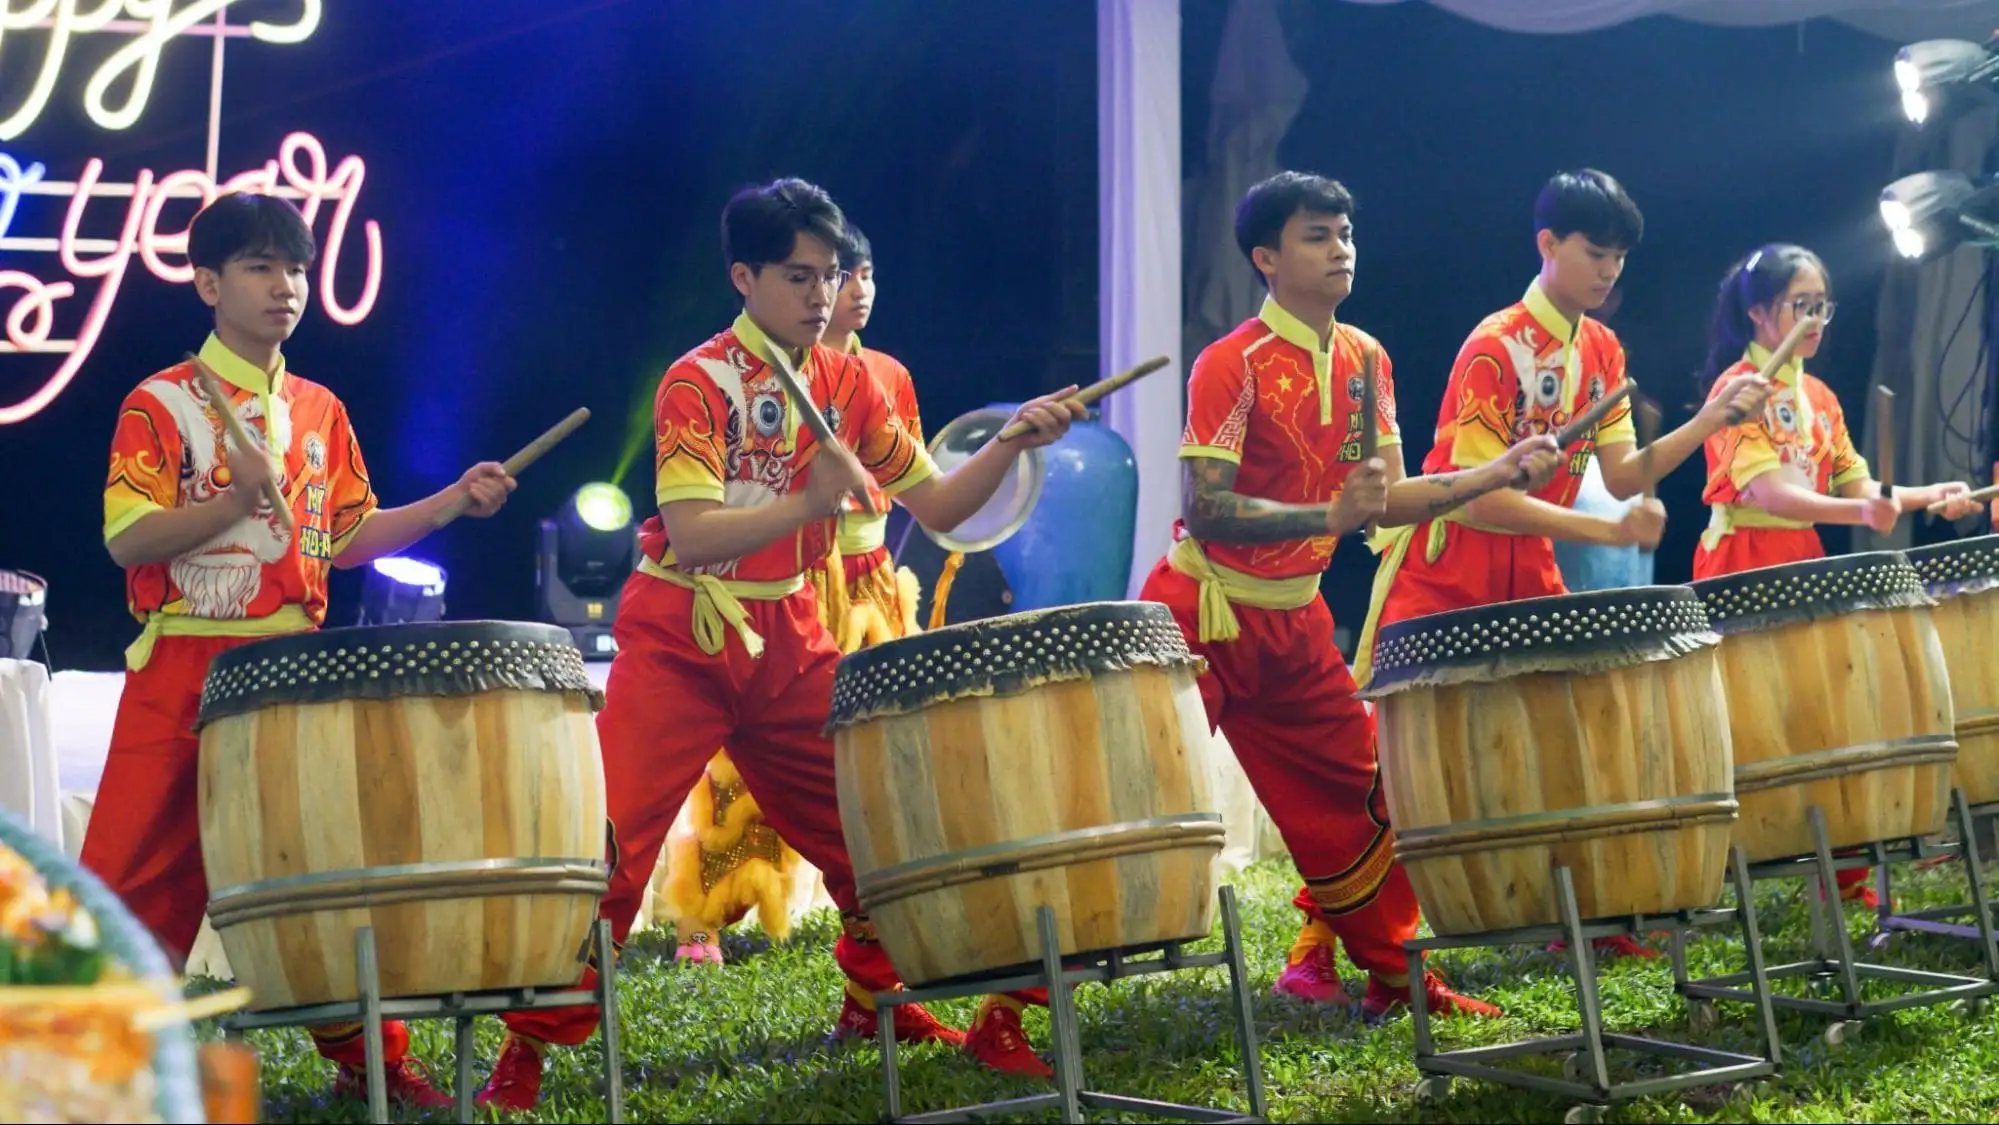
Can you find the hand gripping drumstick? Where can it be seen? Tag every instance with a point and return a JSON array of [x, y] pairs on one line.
[[529, 454], [809, 410], [1778, 359], [241, 438], [1980, 496], [1586, 421], [1094, 391]]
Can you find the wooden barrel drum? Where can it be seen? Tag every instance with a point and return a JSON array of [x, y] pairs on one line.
[[438, 782], [1045, 758], [1837, 697], [1584, 731], [1963, 577]]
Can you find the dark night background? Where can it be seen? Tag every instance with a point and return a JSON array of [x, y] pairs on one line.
[[548, 178]]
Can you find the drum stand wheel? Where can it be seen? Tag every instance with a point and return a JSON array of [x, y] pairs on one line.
[[1833, 956], [1584, 1057], [1057, 973], [372, 1010]]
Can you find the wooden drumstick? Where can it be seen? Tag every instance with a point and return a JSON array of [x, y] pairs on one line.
[[1586, 421], [241, 438], [1980, 496], [1370, 401], [1095, 391], [809, 410], [1884, 403], [1648, 432], [529, 454], [1778, 359]]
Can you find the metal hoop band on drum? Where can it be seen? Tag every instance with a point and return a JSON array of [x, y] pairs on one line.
[[1584, 731], [408, 778], [1838, 696], [1043, 758]]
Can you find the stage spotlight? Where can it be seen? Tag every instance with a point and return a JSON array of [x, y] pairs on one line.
[[397, 591], [23, 598], [1934, 71], [1930, 214], [587, 552]]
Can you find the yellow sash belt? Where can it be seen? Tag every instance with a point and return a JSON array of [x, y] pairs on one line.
[[861, 533], [1723, 519], [718, 602], [1392, 545], [1222, 586], [288, 619]]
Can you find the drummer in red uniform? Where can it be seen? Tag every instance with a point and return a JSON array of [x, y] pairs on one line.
[[1792, 465], [720, 642], [1274, 475], [209, 565], [1530, 369]]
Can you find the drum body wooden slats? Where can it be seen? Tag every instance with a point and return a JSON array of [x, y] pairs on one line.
[[1585, 731], [1047, 758], [1838, 697], [1963, 577], [439, 782]]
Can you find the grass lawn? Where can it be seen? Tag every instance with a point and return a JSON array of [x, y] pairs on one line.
[[748, 1042]]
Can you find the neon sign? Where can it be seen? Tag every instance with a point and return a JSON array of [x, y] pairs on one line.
[[300, 172]]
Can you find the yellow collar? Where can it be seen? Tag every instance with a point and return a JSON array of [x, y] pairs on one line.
[[1292, 330], [854, 344], [1547, 315], [1791, 374], [240, 372]]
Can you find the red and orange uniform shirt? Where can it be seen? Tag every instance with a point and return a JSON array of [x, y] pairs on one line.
[[1288, 412], [170, 451], [1526, 370], [1802, 428]]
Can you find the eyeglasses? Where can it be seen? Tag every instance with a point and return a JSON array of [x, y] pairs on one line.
[[1819, 307], [805, 282]]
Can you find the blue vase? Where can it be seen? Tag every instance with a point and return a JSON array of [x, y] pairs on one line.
[[1076, 545]]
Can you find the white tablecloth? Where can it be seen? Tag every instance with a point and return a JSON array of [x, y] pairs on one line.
[[28, 764]]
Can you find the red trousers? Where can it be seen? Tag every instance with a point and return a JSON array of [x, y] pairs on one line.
[[144, 840], [668, 705], [1747, 548], [1475, 568], [1283, 696]]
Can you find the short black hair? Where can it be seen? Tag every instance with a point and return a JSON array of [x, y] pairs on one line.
[[856, 251], [761, 223], [243, 223], [1266, 207], [1593, 204]]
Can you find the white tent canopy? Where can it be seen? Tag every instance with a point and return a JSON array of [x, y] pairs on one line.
[[1140, 188]]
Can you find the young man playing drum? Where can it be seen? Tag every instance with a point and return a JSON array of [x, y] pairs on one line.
[[1530, 369], [210, 564], [1275, 472], [719, 637]]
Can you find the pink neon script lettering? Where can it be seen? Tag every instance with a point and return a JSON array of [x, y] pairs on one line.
[[301, 169]]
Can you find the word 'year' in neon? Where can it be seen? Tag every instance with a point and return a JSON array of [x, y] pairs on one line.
[[28, 323]]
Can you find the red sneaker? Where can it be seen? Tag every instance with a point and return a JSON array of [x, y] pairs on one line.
[[913, 1024], [1616, 945], [515, 1084], [1313, 977], [405, 1079], [1383, 998], [998, 1041]]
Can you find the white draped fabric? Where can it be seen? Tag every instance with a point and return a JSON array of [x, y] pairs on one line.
[[1892, 19]]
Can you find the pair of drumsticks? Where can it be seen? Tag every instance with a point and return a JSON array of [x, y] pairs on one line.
[[816, 422], [244, 443]]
